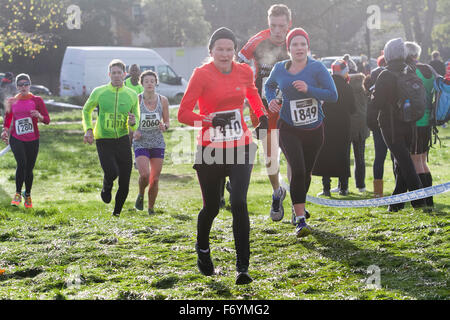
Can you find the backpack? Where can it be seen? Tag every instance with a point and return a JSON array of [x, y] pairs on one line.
[[440, 112], [412, 99]]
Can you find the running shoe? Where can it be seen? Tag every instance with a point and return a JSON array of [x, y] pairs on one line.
[[243, 278], [343, 192], [115, 215], [362, 190], [325, 193], [151, 211], [335, 190], [307, 215], [277, 210], [139, 204], [28, 204], [16, 200], [106, 194], [204, 262], [301, 228]]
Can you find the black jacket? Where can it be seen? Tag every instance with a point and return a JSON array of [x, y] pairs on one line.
[[385, 100], [334, 157]]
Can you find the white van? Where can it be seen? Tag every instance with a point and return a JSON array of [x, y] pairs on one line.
[[85, 68]]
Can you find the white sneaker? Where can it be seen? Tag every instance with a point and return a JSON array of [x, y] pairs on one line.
[[277, 210], [335, 190], [362, 190]]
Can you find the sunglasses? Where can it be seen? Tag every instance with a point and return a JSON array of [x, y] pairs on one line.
[[23, 84]]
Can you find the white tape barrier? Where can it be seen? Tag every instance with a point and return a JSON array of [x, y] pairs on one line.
[[4, 151], [376, 202], [62, 104]]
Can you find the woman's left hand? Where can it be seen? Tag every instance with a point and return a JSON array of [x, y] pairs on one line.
[[36, 114]]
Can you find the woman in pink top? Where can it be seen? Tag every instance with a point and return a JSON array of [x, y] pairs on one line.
[[20, 131]]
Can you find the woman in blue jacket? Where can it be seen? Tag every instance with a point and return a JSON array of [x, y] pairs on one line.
[[304, 83]]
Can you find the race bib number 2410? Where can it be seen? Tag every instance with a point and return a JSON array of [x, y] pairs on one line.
[[232, 131]]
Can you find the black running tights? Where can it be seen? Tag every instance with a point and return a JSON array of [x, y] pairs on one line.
[[116, 160], [25, 153]]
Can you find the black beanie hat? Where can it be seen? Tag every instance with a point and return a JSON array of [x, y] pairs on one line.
[[222, 33]]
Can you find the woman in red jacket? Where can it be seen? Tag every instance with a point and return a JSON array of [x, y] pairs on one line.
[[225, 146], [20, 131]]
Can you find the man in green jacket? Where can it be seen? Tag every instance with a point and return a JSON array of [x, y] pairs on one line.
[[133, 81], [118, 110]]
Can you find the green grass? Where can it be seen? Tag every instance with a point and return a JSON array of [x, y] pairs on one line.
[[69, 247]]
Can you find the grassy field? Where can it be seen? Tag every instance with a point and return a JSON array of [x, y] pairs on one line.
[[69, 246]]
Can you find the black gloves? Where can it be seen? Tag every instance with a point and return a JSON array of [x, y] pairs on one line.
[[219, 121], [261, 129]]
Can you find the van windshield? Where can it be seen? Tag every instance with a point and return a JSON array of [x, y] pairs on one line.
[[145, 68], [167, 75]]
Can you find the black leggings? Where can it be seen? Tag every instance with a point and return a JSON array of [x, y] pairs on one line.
[[406, 178], [301, 148], [116, 161], [210, 177], [25, 153]]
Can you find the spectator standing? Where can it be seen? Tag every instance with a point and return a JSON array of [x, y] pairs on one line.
[[372, 122], [334, 157], [359, 130], [437, 63], [396, 133]]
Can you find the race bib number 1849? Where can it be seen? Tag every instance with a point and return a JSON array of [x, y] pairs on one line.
[[304, 111]]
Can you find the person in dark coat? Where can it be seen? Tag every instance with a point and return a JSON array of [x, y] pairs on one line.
[[397, 135], [359, 130], [334, 158], [437, 63], [372, 122]]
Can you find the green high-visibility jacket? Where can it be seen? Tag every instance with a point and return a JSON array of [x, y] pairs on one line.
[[114, 104], [138, 88]]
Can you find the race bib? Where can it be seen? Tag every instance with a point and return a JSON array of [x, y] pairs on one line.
[[24, 126], [115, 121], [304, 111], [232, 131], [150, 121]]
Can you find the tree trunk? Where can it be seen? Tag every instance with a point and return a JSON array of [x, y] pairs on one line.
[[405, 18], [428, 29]]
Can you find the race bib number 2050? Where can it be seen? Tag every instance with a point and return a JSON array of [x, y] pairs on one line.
[[24, 126], [304, 111]]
